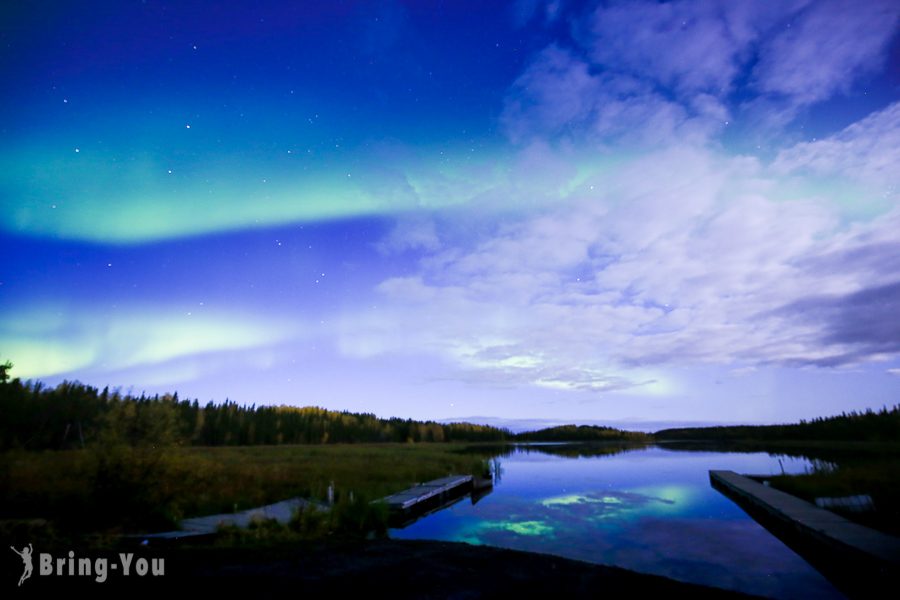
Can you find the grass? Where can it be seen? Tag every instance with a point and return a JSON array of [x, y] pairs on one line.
[[86, 490], [876, 477], [351, 518]]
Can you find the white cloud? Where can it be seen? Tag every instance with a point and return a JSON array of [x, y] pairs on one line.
[[555, 91], [679, 257], [559, 96], [687, 46], [644, 73], [826, 48], [866, 151]]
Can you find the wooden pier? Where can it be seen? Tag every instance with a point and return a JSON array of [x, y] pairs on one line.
[[856, 559], [425, 492], [414, 503]]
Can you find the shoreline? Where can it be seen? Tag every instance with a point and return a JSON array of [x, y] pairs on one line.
[[377, 568]]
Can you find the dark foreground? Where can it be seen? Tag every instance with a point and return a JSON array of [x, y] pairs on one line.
[[395, 568]]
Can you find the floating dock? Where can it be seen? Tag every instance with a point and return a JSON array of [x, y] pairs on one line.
[[410, 505], [856, 559], [426, 492]]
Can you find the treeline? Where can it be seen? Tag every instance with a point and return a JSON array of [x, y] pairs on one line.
[[582, 433], [74, 415], [870, 426]]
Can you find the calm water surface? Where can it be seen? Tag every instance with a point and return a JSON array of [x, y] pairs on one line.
[[650, 510]]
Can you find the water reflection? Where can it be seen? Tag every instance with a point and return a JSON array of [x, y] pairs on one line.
[[643, 508]]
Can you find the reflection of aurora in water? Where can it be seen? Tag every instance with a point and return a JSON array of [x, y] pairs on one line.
[[562, 517], [597, 505], [608, 506], [650, 510]]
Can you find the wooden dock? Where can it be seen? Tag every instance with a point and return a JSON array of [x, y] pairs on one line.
[[208, 526], [406, 507], [856, 559], [424, 493]]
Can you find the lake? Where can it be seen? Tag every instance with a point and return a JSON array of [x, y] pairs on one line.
[[649, 509]]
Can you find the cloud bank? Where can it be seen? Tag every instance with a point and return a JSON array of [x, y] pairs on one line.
[[680, 257]]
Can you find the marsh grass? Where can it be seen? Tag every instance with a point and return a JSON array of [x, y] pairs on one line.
[[128, 490], [876, 477], [352, 517]]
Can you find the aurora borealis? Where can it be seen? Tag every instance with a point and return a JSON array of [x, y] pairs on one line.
[[617, 212]]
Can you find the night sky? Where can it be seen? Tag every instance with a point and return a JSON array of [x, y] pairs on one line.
[[622, 212]]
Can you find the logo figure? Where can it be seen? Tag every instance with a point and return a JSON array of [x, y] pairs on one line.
[[26, 559]]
